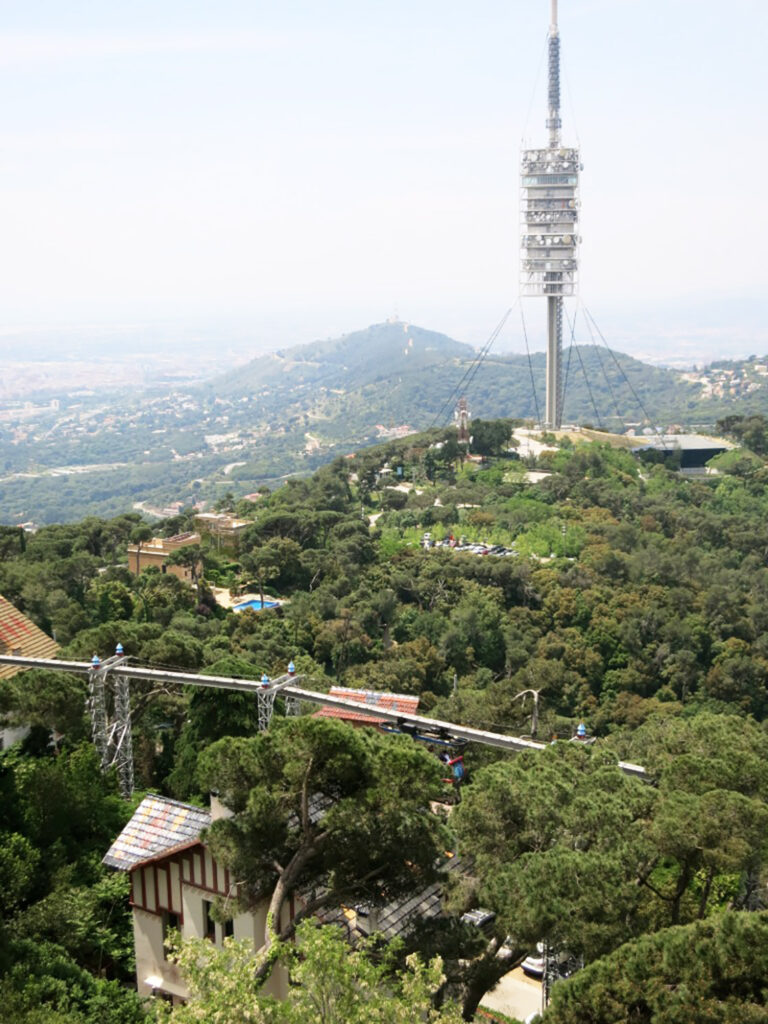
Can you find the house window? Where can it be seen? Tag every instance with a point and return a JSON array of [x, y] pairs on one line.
[[229, 928], [171, 923], [209, 925]]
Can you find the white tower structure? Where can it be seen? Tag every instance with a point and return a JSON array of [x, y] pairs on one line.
[[549, 225], [461, 416]]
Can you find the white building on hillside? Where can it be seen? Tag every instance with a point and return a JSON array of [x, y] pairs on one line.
[[174, 883]]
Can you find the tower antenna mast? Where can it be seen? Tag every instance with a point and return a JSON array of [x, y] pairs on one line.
[[549, 220], [553, 79]]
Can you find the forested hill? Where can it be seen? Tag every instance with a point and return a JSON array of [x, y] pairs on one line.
[[376, 353], [293, 411], [399, 372]]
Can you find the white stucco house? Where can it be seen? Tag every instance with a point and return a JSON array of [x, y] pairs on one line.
[[174, 883]]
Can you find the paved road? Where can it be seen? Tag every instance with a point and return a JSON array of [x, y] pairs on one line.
[[517, 995]]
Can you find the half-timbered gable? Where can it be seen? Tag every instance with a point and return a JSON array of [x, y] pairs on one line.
[[175, 883]]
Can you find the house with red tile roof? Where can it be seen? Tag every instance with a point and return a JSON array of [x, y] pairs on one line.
[[20, 636], [371, 700]]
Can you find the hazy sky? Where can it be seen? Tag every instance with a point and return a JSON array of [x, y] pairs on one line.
[[307, 168]]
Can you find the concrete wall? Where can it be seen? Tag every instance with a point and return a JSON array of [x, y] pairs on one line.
[[10, 736], [150, 957]]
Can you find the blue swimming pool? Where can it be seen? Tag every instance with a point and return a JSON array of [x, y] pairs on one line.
[[255, 605]]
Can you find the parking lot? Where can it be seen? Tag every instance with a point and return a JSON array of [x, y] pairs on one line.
[[473, 549]]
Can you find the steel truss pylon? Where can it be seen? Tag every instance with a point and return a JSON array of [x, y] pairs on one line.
[[266, 705], [109, 706], [265, 697], [292, 707]]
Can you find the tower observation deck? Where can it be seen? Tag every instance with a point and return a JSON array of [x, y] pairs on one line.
[[549, 217]]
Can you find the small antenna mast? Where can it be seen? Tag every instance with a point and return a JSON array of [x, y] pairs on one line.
[[553, 121]]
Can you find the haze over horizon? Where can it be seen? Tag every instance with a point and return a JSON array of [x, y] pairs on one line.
[[295, 172]]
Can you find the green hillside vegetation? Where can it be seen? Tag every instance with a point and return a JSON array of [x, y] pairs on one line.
[[634, 600], [292, 412], [422, 369], [376, 353]]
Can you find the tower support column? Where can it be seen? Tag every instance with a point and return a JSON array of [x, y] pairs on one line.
[[553, 409]]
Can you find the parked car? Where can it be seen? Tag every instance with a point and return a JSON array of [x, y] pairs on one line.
[[533, 965], [481, 918]]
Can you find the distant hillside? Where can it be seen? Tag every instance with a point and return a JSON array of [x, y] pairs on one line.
[[376, 353], [396, 373], [290, 412]]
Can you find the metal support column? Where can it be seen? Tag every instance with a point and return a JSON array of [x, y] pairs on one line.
[[554, 414], [97, 709], [265, 700], [109, 705], [122, 737], [292, 707]]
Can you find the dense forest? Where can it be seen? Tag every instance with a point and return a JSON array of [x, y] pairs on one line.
[[622, 595]]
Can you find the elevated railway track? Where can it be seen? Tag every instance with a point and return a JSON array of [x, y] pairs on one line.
[[109, 707]]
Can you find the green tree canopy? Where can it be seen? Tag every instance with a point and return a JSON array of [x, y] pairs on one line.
[[317, 801], [330, 984], [709, 972], [489, 437], [546, 831]]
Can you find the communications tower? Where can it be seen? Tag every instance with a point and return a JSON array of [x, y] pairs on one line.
[[461, 416], [549, 224]]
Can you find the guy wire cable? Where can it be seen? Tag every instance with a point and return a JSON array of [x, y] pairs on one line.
[[589, 389], [626, 378], [489, 344], [480, 356], [483, 355], [530, 367], [605, 375]]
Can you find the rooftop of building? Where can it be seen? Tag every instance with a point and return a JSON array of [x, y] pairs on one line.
[[221, 519], [371, 699], [157, 827], [683, 442], [160, 827], [397, 917], [19, 634], [179, 540]]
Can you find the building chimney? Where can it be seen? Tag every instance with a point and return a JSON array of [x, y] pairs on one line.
[[218, 809]]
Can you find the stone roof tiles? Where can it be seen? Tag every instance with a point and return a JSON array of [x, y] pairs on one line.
[[158, 826], [398, 917]]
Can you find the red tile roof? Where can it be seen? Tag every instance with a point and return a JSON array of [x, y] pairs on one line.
[[391, 701], [348, 716], [18, 634]]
